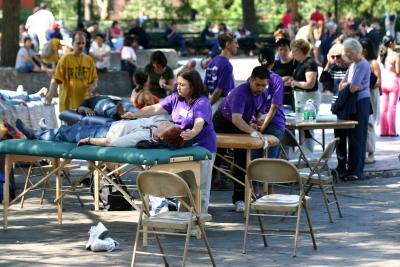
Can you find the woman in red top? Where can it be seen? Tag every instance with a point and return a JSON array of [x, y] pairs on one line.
[[141, 95]]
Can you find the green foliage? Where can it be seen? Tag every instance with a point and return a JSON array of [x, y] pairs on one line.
[[160, 9]]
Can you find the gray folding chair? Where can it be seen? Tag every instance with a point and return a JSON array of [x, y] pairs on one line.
[[166, 184], [321, 175], [276, 171]]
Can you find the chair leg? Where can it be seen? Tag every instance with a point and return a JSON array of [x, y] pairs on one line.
[[262, 230], [185, 250], [308, 189], [26, 184], [310, 226], [325, 197], [336, 200], [205, 239], [296, 235], [160, 246], [133, 262], [246, 227]]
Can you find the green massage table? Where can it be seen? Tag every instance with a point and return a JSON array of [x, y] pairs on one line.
[[23, 150]]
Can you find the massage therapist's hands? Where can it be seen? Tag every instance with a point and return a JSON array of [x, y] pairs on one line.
[[128, 116], [86, 111], [188, 134]]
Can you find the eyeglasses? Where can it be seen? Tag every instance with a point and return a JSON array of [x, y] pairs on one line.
[[336, 57]]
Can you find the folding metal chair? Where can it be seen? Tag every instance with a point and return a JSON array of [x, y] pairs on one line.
[[321, 175], [166, 184], [276, 171]]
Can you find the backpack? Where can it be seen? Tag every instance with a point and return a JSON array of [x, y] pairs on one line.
[[111, 199], [47, 50]]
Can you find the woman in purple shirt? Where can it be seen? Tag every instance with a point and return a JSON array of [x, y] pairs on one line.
[[191, 110], [357, 78]]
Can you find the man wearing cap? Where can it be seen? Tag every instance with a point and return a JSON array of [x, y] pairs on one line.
[[76, 74], [238, 113]]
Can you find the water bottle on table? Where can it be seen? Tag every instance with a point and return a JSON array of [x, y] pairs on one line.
[[298, 95], [310, 112]]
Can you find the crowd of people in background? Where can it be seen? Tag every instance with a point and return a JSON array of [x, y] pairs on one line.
[[357, 61]]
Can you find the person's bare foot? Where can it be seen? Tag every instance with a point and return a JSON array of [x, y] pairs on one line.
[[120, 110], [42, 92]]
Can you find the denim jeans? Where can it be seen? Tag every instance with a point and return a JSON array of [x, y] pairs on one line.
[[108, 107], [73, 133]]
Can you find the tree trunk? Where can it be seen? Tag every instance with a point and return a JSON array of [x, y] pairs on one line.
[[10, 36], [87, 12], [293, 5], [103, 8], [249, 14]]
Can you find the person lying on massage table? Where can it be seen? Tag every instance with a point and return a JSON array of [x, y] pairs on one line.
[[190, 109], [125, 133], [21, 97], [106, 106]]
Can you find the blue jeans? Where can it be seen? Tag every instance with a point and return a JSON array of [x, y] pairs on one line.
[[214, 45], [27, 67], [178, 40], [108, 107], [73, 133], [273, 152]]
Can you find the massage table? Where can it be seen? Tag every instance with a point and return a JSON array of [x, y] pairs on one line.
[[242, 141], [179, 160]]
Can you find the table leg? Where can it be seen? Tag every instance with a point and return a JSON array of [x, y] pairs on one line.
[[6, 190], [96, 190], [246, 186], [323, 139], [56, 163]]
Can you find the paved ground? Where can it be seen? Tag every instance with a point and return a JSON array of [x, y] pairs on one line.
[[367, 235]]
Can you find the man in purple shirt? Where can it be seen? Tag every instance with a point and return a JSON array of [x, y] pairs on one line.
[[219, 74], [238, 113], [273, 120]]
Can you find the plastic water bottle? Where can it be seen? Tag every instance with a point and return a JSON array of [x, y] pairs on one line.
[[310, 113], [298, 95]]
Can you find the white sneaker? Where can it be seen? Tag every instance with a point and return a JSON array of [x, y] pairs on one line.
[[96, 232], [239, 206], [108, 244]]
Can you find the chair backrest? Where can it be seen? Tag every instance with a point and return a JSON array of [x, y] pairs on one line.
[[273, 171], [162, 184], [330, 148], [322, 163]]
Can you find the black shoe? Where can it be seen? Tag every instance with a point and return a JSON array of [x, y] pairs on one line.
[[29, 133], [351, 178]]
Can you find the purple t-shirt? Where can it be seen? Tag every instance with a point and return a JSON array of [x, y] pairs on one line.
[[241, 100], [359, 74], [274, 95], [219, 74], [185, 115]]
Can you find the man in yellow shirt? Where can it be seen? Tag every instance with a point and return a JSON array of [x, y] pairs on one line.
[[76, 74]]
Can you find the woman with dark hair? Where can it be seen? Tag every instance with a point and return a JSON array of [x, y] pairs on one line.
[[389, 61], [190, 109], [368, 53], [284, 67], [141, 96], [128, 56], [161, 75]]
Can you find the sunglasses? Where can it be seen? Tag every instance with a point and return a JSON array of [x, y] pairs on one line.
[[336, 56]]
